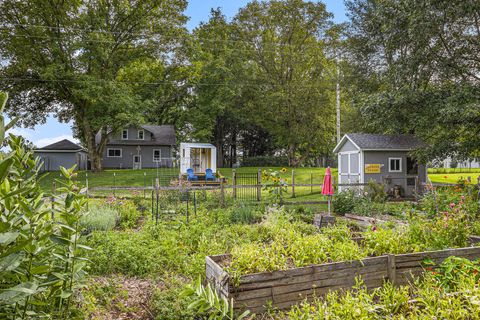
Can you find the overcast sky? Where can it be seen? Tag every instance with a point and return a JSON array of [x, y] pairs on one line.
[[198, 11]]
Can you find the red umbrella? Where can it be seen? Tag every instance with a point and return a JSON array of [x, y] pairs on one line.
[[327, 188]]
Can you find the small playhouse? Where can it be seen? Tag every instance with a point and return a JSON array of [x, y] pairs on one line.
[[385, 159], [198, 161]]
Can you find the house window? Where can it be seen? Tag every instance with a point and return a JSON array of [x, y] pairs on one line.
[[156, 155], [125, 134], [114, 153], [140, 134], [395, 164]]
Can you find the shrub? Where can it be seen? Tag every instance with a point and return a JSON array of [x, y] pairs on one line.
[[245, 214], [265, 161], [344, 202], [99, 218]]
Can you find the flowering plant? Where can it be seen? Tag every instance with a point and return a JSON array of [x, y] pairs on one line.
[[274, 184]]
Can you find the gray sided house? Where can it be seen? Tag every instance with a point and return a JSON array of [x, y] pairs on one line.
[[145, 146], [63, 153], [385, 159]]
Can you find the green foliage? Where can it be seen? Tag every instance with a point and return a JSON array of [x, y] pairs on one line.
[[265, 161], [99, 217], [275, 184], [433, 297], [344, 202], [128, 215], [245, 214], [41, 260], [206, 301]]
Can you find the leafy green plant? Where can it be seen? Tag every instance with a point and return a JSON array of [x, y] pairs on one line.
[[344, 202], [274, 184], [40, 259], [99, 217], [207, 303], [245, 214]]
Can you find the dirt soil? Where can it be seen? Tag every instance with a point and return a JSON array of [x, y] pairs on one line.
[[130, 300]]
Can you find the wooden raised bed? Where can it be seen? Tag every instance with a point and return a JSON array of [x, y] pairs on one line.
[[284, 288]]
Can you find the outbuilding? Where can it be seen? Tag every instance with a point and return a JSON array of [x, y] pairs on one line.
[[386, 159], [198, 156], [63, 153]]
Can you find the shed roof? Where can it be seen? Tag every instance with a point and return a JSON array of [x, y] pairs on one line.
[[379, 142], [62, 145], [197, 145]]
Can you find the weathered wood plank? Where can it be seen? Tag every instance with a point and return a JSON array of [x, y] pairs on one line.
[[269, 276], [437, 254]]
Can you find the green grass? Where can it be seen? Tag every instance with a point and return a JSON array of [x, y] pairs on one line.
[[137, 178], [452, 177]]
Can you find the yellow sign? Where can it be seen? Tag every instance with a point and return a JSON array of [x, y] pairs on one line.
[[373, 168]]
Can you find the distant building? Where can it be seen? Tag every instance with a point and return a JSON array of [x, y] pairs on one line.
[[63, 153], [385, 159], [464, 164], [146, 146]]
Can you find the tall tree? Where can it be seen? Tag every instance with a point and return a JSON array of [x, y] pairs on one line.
[[425, 57], [284, 42], [71, 58]]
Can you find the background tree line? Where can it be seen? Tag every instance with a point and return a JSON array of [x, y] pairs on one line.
[[260, 84]]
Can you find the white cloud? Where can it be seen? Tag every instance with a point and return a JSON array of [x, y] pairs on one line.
[[46, 141], [26, 133]]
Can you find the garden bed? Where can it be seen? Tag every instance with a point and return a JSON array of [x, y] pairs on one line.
[[284, 288]]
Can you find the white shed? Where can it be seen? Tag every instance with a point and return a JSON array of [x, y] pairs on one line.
[[198, 156]]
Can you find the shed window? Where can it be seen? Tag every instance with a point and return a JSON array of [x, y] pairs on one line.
[[156, 155], [395, 164], [114, 153], [141, 134], [412, 166], [124, 134]]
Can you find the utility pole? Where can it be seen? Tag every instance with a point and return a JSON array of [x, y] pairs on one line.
[[338, 103]]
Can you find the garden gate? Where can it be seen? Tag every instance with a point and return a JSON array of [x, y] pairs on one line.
[[247, 186]]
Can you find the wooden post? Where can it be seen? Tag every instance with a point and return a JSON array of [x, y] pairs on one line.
[[222, 192], [114, 183], [392, 269], [293, 183], [259, 185], [311, 182], [234, 183]]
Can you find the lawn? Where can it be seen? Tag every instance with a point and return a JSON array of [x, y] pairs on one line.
[[138, 178], [452, 177]]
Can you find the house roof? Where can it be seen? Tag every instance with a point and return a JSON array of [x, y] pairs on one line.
[[164, 134], [62, 145], [379, 142]]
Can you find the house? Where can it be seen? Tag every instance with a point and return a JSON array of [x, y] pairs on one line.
[[385, 159], [145, 146], [450, 162], [198, 156], [63, 153]]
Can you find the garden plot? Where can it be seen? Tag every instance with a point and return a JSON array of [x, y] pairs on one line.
[[284, 288]]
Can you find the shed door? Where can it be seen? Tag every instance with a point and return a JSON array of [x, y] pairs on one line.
[[349, 167]]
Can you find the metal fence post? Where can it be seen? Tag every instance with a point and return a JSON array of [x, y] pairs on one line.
[[144, 184], [293, 183], [259, 185], [234, 183], [157, 189]]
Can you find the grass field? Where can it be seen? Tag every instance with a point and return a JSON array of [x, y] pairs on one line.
[[137, 178], [452, 177]]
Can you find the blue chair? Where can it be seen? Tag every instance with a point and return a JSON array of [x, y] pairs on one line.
[[191, 176], [209, 176]]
